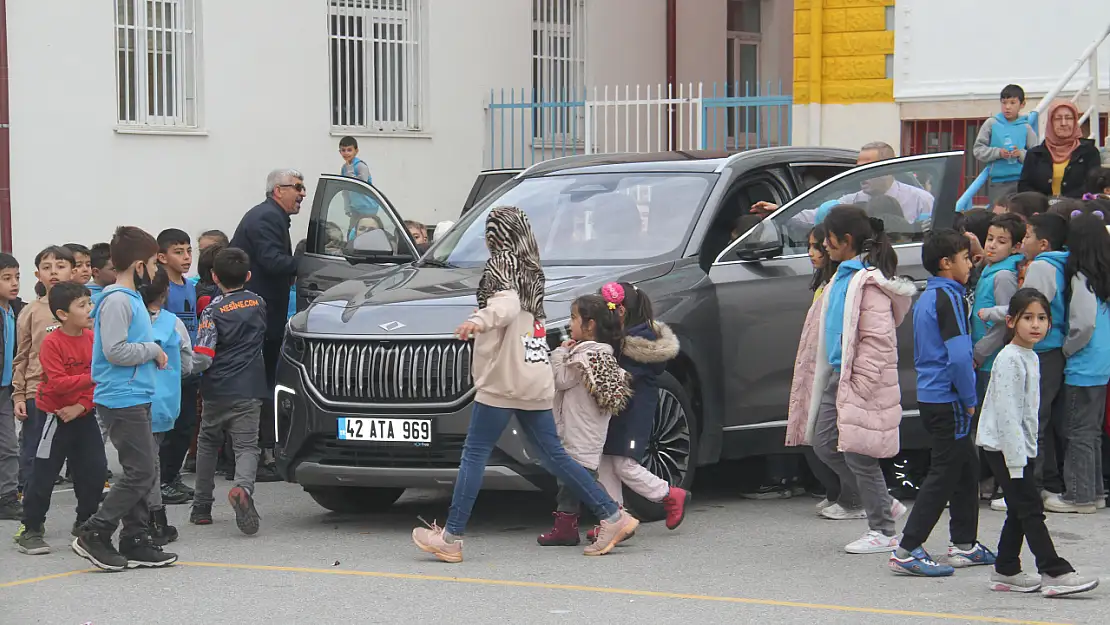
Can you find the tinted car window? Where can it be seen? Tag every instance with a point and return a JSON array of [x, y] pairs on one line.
[[350, 211], [590, 218]]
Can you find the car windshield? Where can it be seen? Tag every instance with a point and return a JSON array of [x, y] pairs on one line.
[[588, 219]]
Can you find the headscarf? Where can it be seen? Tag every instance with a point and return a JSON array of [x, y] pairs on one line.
[[514, 260], [1061, 147]]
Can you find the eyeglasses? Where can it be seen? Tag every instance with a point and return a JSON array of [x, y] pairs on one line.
[[298, 187]]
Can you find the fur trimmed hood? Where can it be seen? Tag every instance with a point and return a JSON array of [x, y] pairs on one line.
[[643, 349]]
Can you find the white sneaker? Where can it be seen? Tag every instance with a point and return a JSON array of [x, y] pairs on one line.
[[838, 513], [1068, 584], [872, 542], [898, 510], [998, 505], [1022, 582], [1056, 503], [824, 503], [1100, 502]]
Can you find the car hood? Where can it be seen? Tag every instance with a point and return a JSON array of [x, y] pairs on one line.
[[411, 300]]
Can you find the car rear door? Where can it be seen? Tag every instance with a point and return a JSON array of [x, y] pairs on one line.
[[763, 302], [343, 208]]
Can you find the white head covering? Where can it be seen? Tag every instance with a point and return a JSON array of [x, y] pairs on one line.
[[441, 228]]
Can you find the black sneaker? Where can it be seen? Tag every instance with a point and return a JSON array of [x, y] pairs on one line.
[[96, 547], [201, 514], [31, 541], [141, 552], [267, 473], [172, 496], [246, 517], [180, 485], [161, 532], [10, 508]]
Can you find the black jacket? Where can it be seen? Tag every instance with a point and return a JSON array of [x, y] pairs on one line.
[[1036, 173], [263, 234], [17, 306], [644, 355]]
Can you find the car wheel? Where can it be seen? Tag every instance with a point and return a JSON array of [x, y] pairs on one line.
[[349, 499], [671, 451]]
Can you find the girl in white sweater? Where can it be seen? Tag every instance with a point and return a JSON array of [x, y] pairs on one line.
[[1008, 426]]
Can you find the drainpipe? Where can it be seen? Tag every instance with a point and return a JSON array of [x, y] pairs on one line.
[[5, 145], [816, 29], [672, 63]]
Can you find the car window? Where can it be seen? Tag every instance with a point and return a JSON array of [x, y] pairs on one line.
[[351, 211], [809, 176], [590, 218], [899, 193]]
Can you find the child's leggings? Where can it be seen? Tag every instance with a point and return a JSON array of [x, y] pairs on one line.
[[615, 470]]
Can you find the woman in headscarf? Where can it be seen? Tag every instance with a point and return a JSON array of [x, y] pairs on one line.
[[512, 375], [1059, 167]]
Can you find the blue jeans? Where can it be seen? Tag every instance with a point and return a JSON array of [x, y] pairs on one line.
[[486, 425]]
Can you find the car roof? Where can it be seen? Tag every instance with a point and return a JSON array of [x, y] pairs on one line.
[[705, 161]]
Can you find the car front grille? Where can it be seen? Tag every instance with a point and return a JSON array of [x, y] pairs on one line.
[[445, 452], [390, 372]]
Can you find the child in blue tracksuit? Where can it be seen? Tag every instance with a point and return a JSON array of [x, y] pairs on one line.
[[1045, 238], [1087, 371], [946, 399], [1002, 142], [125, 358]]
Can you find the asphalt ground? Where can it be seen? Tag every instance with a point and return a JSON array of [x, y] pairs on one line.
[[732, 561]]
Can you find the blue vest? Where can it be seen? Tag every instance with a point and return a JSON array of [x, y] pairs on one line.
[[167, 382], [984, 298], [1008, 135], [1058, 306], [123, 387], [1090, 366], [360, 204]]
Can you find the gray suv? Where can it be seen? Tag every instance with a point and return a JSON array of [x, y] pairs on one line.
[[374, 393]]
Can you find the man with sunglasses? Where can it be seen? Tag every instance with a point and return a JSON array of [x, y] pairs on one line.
[[263, 234]]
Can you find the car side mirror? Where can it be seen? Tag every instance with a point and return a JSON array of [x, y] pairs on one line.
[[761, 243]]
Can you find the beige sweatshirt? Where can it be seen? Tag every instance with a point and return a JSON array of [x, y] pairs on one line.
[[512, 368], [581, 423], [35, 322]]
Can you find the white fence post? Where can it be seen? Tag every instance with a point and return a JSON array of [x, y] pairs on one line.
[[588, 118]]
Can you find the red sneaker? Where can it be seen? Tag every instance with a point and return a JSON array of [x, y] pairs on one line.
[[675, 505], [564, 533]]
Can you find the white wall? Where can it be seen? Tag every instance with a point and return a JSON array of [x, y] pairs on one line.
[[849, 126], [952, 49]]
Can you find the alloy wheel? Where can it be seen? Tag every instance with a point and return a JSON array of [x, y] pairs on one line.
[[668, 454]]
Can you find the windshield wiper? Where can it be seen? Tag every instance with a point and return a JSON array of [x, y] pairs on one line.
[[435, 262]]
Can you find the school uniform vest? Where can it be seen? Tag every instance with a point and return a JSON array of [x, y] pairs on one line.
[[1090, 366], [166, 405], [1008, 135], [1058, 306], [984, 298], [361, 204], [123, 387]]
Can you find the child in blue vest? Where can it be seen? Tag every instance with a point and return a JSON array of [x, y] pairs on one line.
[[358, 204], [1043, 247], [1002, 142], [1087, 371], [125, 358], [172, 336]]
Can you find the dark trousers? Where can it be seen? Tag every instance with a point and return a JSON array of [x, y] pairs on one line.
[[271, 351], [175, 445], [953, 478], [77, 444], [1047, 469], [130, 433], [826, 476], [1024, 522], [29, 443]]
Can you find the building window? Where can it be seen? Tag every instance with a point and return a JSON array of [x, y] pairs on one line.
[[156, 70], [558, 66], [745, 33], [376, 58]]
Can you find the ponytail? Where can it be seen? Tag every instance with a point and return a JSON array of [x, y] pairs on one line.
[[868, 235]]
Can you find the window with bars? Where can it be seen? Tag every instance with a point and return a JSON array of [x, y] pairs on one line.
[[558, 67], [156, 63], [375, 55]]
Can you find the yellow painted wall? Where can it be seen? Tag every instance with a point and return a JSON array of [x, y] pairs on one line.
[[854, 45]]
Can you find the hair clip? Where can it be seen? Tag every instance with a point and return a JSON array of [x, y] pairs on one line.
[[1099, 215], [1075, 213], [613, 293], [612, 306], [1089, 196]]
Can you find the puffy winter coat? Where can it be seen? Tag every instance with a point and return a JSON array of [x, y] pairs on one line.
[[645, 354]]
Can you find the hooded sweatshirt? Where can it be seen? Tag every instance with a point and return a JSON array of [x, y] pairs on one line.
[[1046, 274], [996, 285], [590, 387], [998, 134], [512, 368], [124, 350], [1008, 422], [34, 323], [1087, 346], [173, 337], [834, 315], [942, 350]]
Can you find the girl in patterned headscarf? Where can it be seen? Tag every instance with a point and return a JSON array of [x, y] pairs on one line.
[[512, 375]]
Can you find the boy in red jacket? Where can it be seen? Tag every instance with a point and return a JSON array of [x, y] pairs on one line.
[[71, 433]]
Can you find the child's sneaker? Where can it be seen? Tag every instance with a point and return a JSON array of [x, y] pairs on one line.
[[1022, 582], [919, 563], [836, 512], [898, 510], [610, 534], [10, 508], [872, 542], [998, 504], [180, 485], [31, 542], [201, 514], [564, 533], [172, 496], [1067, 584], [430, 540], [141, 552], [161, 532], [246, 517], [770, 491], [1057, 503], [591, 535], [96, 547], [675, 504], [821, 505], [978, 555]]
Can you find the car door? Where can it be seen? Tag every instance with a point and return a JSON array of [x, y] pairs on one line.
[[762, 280], [343, 210], [486, 183]]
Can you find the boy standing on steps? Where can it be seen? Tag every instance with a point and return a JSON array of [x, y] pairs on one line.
[[125, 356], [943, 357], [1002, 142]]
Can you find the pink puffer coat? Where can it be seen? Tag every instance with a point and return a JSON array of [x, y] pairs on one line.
[[868, 399]]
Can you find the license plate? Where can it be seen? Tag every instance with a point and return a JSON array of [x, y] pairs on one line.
[[385, 430]]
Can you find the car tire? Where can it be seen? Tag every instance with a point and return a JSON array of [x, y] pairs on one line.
[[353, 500], [675, 432]]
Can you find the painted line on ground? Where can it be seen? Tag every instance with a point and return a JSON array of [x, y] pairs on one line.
[[44, 578]]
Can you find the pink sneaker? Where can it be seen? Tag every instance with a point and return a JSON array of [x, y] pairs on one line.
[[430, 540], [610, 534], [898, 510]]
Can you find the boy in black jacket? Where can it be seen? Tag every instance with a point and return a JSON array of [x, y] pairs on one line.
[[10, 305]]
